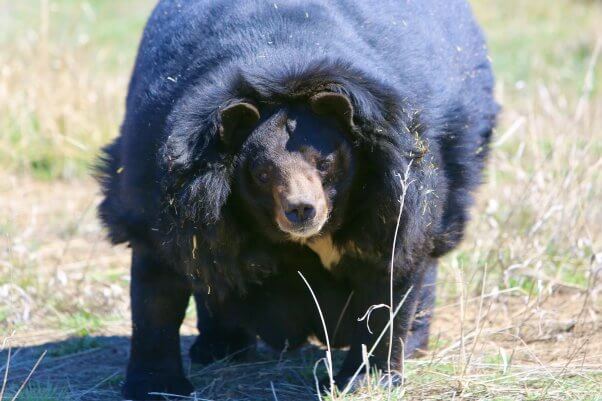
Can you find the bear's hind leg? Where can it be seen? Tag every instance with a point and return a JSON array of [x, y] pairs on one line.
[[418, 337], [217, 337]]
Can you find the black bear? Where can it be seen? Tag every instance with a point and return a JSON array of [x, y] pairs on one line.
[[262, 139]]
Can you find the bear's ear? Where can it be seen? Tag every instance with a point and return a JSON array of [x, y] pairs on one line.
[[235, 119], [335, 104]]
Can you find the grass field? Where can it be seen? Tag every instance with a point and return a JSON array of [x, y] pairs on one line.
[[519, 315]]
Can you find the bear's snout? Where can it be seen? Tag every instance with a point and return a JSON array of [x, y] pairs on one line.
[[299, 212], [301, 208]]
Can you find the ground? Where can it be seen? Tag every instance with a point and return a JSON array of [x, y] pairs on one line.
[[519, 316]]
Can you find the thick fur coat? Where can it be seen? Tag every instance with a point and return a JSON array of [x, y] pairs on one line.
[[420, 83]]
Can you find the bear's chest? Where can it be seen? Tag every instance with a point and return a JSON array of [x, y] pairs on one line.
[[329, 254]]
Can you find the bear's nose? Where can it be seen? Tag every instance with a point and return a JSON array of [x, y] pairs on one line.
[[301, 212]]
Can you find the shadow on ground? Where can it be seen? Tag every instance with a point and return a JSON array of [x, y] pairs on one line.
[[91, 368]]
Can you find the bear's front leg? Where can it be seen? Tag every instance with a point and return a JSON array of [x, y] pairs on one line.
[[371, 291], [159, 298]]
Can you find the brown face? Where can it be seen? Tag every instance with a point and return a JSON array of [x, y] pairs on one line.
[[294, 174], [300, 205]]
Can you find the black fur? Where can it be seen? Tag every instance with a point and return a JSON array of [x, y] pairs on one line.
[[420, 83]]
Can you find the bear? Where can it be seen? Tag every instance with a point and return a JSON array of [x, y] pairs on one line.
[[268, 143]]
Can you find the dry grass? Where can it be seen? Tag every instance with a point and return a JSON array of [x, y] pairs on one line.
[[519, 315], [61, 88]]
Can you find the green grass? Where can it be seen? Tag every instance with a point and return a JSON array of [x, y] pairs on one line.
[[80, 54], [75, 345], [531, 44], [82, 322], [43, 392]]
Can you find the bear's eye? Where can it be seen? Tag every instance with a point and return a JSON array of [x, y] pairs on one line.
[[261, 171], [263, 177], [324, 164]]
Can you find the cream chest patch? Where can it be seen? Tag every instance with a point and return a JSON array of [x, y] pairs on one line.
[[329, 254]]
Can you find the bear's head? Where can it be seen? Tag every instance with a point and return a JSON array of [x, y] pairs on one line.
[[294, 165]]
